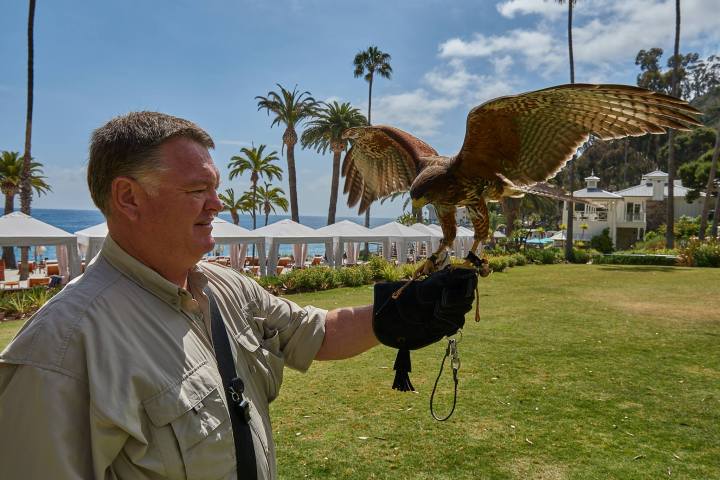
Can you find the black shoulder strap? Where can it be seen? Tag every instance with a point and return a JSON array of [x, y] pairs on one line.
[[238, 405]]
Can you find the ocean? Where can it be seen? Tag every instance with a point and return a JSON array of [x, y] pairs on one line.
[[73, 220]]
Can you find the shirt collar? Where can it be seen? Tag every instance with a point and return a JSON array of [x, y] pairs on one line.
[[149, 279]]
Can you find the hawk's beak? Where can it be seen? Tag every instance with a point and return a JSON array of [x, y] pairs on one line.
[[419, 202]]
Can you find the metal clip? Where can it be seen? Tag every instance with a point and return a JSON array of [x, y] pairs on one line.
[[455, 356], [234, 396]]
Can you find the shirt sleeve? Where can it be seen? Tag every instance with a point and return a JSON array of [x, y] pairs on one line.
[[47, 428], [301, 329]]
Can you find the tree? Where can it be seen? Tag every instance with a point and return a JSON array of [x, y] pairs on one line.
[[259, 165], [26, 184], [669, 237], [571, 163], [270, 197], [325, 131], [368, 63], [290, 109], [233, 205], [11, 171], [710, 185]]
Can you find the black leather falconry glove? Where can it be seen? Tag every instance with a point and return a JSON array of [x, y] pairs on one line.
[[425, 312]]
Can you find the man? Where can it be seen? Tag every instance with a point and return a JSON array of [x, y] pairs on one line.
[[116, 377]]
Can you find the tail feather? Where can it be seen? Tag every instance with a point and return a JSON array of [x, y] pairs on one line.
[[544, 189]]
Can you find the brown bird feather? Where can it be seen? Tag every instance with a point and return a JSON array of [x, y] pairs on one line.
[[511, 144]]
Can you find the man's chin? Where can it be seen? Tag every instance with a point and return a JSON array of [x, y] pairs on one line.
[[205, 246]]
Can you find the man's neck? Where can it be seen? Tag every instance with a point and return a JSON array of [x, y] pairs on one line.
[[178, 276]]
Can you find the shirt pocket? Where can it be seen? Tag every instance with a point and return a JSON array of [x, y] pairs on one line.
[[265, 359], [192, 420]]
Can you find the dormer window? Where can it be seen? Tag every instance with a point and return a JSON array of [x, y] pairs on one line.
[[648, 184]]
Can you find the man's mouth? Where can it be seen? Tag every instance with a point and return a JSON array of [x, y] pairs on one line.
[[205, 223]]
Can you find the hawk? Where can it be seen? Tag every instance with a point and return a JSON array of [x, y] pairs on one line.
[[511, 144]]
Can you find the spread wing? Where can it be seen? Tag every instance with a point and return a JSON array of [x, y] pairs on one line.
[[383, 160], [527, 138]]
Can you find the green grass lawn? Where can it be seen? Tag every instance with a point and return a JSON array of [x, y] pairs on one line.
[[574, 372]]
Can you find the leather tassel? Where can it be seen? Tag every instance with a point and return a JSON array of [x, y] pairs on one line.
[[402, 369]]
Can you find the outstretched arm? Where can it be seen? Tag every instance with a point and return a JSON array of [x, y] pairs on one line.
[[348, 332]]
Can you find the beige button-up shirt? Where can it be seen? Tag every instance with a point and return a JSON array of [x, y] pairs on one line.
[[116, 376]]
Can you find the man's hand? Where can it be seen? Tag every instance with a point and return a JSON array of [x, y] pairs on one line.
[[426, 311]]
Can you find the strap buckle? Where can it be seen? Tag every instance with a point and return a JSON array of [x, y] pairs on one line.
[[236, 389]]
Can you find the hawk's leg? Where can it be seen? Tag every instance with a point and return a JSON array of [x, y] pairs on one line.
[[446, 216], [481, 224]]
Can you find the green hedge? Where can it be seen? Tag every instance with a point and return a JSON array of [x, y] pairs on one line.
[[377, 269], [636, 259]]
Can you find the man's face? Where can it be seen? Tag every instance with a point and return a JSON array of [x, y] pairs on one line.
[[182, 202]]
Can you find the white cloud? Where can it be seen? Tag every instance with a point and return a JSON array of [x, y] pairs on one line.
[[606, 33], [502, 64], [538, 48], [491, 89], [453, 81], [631, 26], [415, 111], [550, 9]]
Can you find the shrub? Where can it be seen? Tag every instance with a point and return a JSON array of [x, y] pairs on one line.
[[602, 242], [407, 270], [498, 264], [697, 253], [520, 259], [544, 256], [354, 276], [377, 266], [23, 303], [390, 273], [310, 279], [584, 256]]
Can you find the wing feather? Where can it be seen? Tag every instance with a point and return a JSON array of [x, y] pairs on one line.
[[527, 138], [382, 160]]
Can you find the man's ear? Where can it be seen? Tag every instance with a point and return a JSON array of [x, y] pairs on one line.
[[126, 197]]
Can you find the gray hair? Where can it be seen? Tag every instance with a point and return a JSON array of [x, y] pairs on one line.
[[128, 146]]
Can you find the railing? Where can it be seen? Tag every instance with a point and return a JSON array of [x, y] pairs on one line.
[[593, 217], [634, 217]]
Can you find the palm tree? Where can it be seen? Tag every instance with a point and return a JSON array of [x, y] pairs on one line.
[[270, 197], [367, 63], [325, 131], [259, 166], [290, 109], [571, 163], [710, 185], [11, 171], [26, 184], [669, 231], [233, 205]]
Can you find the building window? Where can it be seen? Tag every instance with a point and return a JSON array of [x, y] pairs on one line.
[[633, 212]]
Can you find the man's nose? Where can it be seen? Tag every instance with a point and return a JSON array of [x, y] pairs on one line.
[[214, 203]]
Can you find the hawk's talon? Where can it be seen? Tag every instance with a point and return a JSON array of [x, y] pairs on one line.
[[481, 264]]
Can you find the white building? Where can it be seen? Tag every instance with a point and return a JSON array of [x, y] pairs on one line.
[[628, 213]]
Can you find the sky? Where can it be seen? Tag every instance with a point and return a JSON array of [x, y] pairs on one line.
[[207, 61]]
